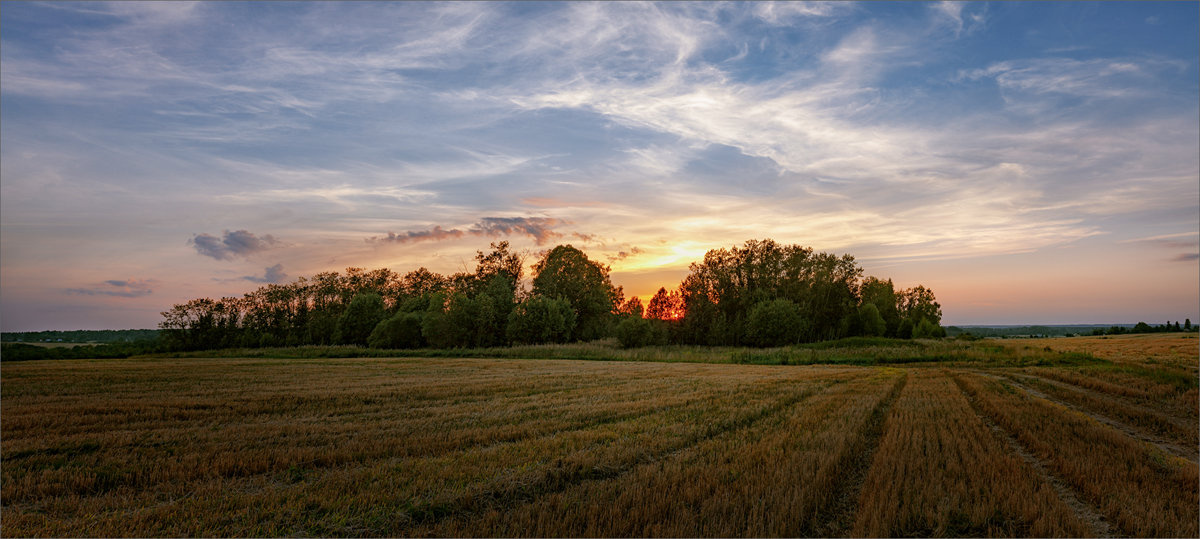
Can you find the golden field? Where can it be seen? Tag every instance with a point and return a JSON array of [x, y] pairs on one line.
[[511, 447]]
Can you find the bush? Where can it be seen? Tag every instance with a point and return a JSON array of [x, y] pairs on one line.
[[872, 321], [927, 330], [400, 331], [774, 323], [635, 332], [539, 320], [358, 321]]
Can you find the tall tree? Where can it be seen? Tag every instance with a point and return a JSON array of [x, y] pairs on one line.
[[566, 272]]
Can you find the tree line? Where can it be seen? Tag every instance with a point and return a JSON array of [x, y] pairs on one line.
[[758, 294]]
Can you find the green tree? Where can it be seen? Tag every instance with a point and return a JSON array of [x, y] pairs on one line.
[[774, 323], [882, 294], [355, 325], [540, 319], [918, 303], [566, 273]]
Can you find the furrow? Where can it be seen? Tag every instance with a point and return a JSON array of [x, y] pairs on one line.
[[1084, 511]]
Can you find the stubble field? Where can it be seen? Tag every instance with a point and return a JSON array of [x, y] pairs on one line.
[[505, 447]]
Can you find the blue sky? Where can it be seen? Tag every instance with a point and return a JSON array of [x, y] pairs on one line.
[[1029, 162]]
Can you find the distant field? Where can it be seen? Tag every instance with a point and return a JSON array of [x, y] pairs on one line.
[[511, 447]]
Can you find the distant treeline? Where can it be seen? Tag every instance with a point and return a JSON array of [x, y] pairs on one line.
[[1142, 327], [82, 336], [1066, 330], [759, 294], [16, 351]]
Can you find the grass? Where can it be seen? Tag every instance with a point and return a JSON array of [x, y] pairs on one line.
[[690, 445]]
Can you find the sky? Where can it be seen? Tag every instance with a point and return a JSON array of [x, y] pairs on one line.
[[1028, 162]]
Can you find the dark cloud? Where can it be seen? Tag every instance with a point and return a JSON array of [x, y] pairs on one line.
[[538, 228], [232, 244], [1186, 257], [436, 233], [273, 274], [622, 255], [129, 288]]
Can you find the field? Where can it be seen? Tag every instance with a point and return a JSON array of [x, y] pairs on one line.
[[1035, 443]]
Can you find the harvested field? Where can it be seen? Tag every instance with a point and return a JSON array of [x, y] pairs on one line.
[[506, 447]]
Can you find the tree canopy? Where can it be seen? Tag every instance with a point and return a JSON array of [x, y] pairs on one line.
[[760, 293]]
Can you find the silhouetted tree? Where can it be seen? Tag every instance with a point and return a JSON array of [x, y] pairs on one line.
[[665, 306], [632, 308]]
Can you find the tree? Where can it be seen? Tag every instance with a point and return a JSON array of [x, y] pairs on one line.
[[540, 319], [774, 323], [918, 303], [355, 325], [882, 294], [566, 273], [1187, 324]]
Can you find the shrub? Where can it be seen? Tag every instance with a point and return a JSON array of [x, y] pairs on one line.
[[872, 321], [540, 319], [635, 332], [774, 323], [927, 330], [355, 325], [400, 331]]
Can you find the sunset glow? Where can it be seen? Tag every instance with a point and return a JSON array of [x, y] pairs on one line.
[[1028, 162]]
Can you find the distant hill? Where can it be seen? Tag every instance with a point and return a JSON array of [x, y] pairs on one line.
[[106, 336]]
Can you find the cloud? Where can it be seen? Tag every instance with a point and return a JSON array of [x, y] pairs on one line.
[[1186, 257], [128, 288], [232, 244], [782, 13], [274, 274], [622, 255], [538, 228], [1092, 78], [436, 233]]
